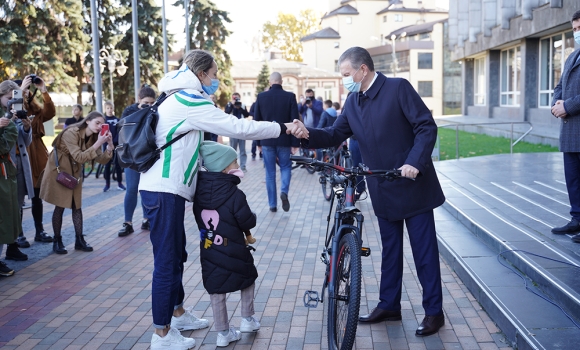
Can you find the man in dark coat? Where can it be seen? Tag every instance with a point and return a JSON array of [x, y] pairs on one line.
[[395, 130], [566, 105], [279, 106]]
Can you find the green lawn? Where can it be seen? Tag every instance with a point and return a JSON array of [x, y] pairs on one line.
[[473, 145]]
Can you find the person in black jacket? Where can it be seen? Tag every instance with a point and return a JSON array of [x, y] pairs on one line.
[[237, 108], [223, 215], [277, 105]]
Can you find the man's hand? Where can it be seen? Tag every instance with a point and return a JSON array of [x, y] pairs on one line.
[[409, 171], [297, 129], [293, 150], [558, 109], [4, 122]]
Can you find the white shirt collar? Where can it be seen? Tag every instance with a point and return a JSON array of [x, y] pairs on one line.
[[371, 84]]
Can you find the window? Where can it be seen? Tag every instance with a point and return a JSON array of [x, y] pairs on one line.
[[424, 36], [384, 19], [511, 60], [398, 18], [336, 68], [479, 81], [553, 53], [349, 20], [336, 44], [425, 60], [425, 88]]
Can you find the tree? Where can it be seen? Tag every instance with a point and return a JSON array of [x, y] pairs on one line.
[[42, 37], [263, 79], [208, 32], [286, 33]]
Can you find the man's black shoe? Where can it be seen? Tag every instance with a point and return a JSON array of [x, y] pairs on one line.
[[43, 237], [273, 209], [13, 253], [572, 227], [430, 325], [576, 238], [145, 225], [126, 230], [379, 315], [285, 202]]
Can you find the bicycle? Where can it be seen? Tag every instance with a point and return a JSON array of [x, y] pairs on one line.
[[337, 156], [342, 254]]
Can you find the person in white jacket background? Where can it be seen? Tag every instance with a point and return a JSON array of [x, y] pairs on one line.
[[172, 180]]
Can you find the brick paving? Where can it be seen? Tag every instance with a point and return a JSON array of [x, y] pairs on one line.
[[102, 300]]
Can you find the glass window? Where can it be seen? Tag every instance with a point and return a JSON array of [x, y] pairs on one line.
[[554, 51], [384, 19], [348, 20], [511, 61], [398, 18], [425, 60], [425, 88], [479, 81]]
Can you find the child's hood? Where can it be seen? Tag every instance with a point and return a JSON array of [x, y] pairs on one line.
[[214, 189]]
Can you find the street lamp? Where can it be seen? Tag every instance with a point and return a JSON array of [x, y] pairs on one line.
[[395, 63], [111, 60]]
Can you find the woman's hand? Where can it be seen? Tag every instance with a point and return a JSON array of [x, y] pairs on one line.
[[102, 139], [4, 122], [26, 82]]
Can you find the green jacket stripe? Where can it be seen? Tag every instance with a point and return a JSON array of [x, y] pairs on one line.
[[167, 151]]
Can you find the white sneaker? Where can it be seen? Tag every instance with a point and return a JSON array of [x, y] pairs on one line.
[[225, 340], [173, 340], [249, 326], [188, 321]]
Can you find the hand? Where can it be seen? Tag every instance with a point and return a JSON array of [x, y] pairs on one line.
[[26, 82], [26, 124], [102, 139], [297, 129], [409, 171], [4, 122], [41, 86], [293, 150], [260, 149], [558, 109]]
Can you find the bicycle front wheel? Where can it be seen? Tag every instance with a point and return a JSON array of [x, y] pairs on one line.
[[326, 184], [343, 309]]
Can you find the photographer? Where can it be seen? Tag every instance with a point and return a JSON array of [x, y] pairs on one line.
[[37, 150], [311, 110], [14, 109], [238, 109]]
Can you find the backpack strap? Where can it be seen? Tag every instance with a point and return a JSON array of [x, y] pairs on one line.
[[160, 149]]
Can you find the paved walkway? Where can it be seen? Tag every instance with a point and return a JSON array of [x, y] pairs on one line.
[[101, 300]]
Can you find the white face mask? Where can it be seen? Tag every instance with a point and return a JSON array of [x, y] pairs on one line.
[[577, 37]]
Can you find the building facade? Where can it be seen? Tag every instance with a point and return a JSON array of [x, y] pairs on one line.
[[512, 54], [404, 37]]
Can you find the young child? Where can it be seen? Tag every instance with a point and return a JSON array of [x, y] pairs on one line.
[[112, 120], [222, 215]]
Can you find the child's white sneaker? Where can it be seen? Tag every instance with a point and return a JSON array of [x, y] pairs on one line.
[[249, 326], [173, 340], [225, 340], [188, 321]]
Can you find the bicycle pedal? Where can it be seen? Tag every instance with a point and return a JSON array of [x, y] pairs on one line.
[[322, 180], [365, 251], [311, 298]]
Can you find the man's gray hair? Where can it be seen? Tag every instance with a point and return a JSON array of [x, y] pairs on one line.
[[275, 78], [357, 56], [198, 61]]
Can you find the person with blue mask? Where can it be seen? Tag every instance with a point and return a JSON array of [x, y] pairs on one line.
[[394, 129], [566, 106], [172, 181]]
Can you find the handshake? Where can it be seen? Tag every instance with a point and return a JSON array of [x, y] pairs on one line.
[[297, 129]]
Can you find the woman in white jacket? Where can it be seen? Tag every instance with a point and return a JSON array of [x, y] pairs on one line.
[[172, 180]]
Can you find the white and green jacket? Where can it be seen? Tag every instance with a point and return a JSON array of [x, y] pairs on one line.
[[190, 110]]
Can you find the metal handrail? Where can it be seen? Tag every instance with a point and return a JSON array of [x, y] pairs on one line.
[[512, 143]]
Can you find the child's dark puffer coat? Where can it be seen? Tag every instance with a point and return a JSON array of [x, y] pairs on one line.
[[222, 214]]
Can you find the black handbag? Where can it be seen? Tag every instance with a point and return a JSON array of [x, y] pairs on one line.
[[65, 179]]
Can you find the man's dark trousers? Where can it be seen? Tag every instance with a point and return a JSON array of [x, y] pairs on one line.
[[423, 238], [572, 175]]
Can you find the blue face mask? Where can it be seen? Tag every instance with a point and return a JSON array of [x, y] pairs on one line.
[[577, 37], [215, 84], [350, 84]]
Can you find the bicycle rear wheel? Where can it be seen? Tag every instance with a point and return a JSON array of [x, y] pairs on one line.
[[343, 309]]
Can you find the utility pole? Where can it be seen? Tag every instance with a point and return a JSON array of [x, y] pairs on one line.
[[136, 67], [186, 5], [165, 68], [96, 64]]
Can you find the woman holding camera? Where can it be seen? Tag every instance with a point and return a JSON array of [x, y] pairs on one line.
[[77, 144]]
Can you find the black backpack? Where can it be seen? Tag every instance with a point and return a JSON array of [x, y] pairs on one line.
[[137, 149]]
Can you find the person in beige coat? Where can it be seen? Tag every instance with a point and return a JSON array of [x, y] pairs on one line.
[[77, 144]]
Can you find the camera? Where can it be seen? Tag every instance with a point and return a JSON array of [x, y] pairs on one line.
[[308, 100], [16, 103], [238, 103], [35, 79]]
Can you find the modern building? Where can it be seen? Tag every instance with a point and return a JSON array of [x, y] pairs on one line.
[[297, 78], [406, 38], [512, 54]]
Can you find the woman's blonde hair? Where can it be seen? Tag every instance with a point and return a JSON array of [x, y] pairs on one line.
[[7, 86]]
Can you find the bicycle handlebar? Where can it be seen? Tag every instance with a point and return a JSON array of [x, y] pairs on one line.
[[357, 170]]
